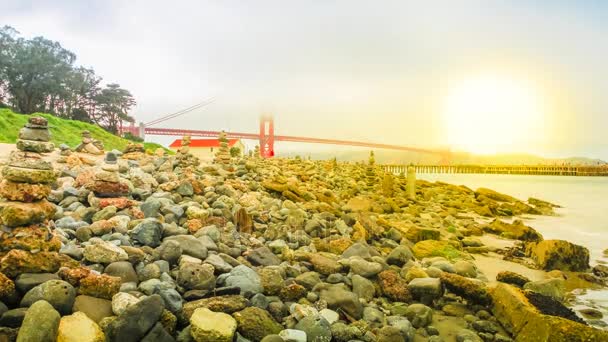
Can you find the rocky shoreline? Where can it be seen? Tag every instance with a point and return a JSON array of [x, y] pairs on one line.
[[132, 246]]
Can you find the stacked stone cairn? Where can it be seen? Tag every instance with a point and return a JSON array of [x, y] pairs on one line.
[[107, 187], [134, 151], [222, 156], [89, 144], [27, 244], [256, 152], [183, 156], [370, 171]]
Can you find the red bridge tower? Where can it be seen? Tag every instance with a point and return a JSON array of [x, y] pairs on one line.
[[266, 138]]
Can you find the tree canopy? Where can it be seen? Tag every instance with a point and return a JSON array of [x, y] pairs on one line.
[[40, 75]]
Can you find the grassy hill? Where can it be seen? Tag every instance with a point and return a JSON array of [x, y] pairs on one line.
[[63, 131]]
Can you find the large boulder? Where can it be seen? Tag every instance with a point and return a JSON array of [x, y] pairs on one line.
[[554, 287], [522, 319], [516, 230], [559, 255]]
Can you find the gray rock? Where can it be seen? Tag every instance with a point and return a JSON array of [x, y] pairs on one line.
[[208, 242], [210, 231], [185, 189], [148, 232], [260, 301], [339, 298], [308, 279], [150, 286], [136, 320], [425, 289], [244, 278], [27, 281], [172, 299], [357, 249], [554, 287], [122, 269], [316, 328], [364, 268], [150, 207], [373, 315], [444, 265], [170, 251], [363, 287], [58, 293], [399, 256], [13, 318], [465, 269], [263, 256], [150, 271], [218, 263], [485, 326], [403, 325], [158, 334], [190, 245], [466, 335], [419, 315]]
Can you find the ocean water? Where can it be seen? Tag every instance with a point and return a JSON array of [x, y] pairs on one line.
[[583, 218]]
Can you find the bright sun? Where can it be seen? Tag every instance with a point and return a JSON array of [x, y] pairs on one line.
[[492, 114]]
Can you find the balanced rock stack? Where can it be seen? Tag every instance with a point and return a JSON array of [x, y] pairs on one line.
[[89, 145], [107, 184], [222, 156], [25, 188], [370, 172], [256, 152], [183, 156], [134, 151]]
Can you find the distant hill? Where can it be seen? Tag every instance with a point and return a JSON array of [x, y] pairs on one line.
[[63, 131], [399, 157]]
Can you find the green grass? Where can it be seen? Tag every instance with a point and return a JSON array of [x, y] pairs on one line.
[[63, 131]]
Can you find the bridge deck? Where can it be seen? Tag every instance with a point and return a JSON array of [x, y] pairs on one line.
[[548, 170]]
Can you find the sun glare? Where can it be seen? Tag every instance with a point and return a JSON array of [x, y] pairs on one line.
[[492, 114]]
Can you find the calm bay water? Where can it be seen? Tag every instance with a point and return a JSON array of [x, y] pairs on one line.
[[583, 220]]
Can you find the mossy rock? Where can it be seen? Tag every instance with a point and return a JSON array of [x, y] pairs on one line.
[[416, 234], [559, 255], [517, 315], [255, 323], [431, 248]]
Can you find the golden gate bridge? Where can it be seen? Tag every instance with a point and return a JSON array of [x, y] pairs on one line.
[[266, 136]]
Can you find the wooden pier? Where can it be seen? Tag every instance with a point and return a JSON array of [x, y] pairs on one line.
[[544, 170]]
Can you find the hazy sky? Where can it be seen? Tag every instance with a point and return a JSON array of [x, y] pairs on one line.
[[367, 70]]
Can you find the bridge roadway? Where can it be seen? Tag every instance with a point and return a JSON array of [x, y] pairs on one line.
[[546, 170], [254, 136]]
